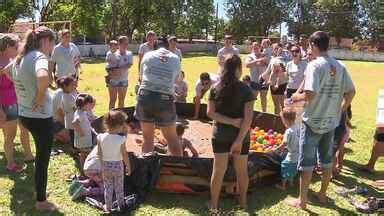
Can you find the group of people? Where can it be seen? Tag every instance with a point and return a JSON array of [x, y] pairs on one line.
[[296, 72]]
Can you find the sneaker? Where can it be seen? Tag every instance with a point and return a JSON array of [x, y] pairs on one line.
[[80, 192], [73, 187]]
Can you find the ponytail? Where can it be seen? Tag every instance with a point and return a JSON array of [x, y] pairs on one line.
[[32, 40]]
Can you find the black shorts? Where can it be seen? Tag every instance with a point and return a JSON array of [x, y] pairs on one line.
[[280, 90], [224, 136], [379, 137], [289, 92]]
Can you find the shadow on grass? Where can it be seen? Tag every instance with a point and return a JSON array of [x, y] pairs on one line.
[[355, 169], [22, 194]]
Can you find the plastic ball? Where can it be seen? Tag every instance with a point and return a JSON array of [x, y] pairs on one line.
[[260, 139], [270, 131]]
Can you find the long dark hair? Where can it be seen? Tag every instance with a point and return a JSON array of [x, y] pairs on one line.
[[228, 85], [32, 40]]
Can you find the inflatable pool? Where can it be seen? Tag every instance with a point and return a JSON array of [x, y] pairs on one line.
[[192, 175]]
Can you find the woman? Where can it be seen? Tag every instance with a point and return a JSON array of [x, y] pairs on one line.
[[257, 62], [31, 77], [231, 107], [275, 77], [295, 71], [8, 106], [118, 82]]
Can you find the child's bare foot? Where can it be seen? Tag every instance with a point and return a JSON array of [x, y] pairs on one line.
[[295, 203], [46, 206]]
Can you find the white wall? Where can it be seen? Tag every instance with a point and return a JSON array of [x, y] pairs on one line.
[[101, 50]]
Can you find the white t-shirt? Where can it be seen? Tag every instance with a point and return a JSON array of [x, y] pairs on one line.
[[92, 162], [160, 70], [199, 88], [64, 57], [291, 140], [112, 60], [124, 61], [57, 97], [85, 125], [24, 76], [223, 52], [295, 74], [256, 70], [268, 71], [110, 145], [69, 106], [144, 48], [322, 114]]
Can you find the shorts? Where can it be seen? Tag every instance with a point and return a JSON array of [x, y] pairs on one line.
[[379, 137], [224, 136], [312, 143], [280, 90], [289, 92], [118, 83], [288, 170], [155, 107], [57, 126], [11, 112]]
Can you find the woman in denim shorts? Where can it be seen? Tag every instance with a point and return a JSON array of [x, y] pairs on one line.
[[8, 106], [155, 99]]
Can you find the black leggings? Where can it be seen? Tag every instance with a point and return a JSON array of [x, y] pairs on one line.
[[42, 133]]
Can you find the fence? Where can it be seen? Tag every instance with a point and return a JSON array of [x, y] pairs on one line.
[[344, 54]]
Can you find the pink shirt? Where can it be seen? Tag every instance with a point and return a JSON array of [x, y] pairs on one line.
[[7, 88]]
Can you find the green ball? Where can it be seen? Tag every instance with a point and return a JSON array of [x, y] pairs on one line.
[[260, 139]]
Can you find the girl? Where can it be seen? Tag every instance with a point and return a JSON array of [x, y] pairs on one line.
[[111, 60], [181, 89], [30, 72], [82, 127], [112, 153], [231, 107], [291, 141], [69, 85], [278, 82], [8, 106]]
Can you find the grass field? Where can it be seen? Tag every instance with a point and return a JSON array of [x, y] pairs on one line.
[[16, 190]]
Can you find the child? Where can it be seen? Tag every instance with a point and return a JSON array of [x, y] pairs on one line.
[[185, 144], [181, 89], [112, 153], [291, 141], [82, 127], [277, 75], [111, 59], [69, 85]]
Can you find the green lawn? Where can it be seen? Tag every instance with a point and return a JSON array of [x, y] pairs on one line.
[[16, 190]]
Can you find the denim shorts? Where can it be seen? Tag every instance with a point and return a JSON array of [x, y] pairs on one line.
[[11, 112], [118, 83], [313, 144], [288, 170], [155, 107]]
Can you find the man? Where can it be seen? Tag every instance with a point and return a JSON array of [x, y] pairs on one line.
[[303, 43], [146, 47], [226, 50], [155, 100], [172, 42], [257, 63], [327, 92], [66, 57], [205, 82]]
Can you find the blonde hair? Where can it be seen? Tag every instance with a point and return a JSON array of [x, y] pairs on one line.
[[8, 40], [32, 40], [123, 38]]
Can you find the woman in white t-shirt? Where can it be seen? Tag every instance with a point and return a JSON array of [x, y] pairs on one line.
[[295, 71]]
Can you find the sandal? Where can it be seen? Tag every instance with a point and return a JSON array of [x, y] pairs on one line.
[[15, 168], [369, 206]]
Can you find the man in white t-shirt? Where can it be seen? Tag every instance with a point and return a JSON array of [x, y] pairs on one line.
[[226, 50], [65, 57], [172, 43], [148, 46], [205, 83], [327, 92]]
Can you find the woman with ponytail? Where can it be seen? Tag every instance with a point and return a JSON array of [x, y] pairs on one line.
[[31, 78], [231, 107], [8, 105]]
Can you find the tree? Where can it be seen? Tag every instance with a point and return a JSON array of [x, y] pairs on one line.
[[12, 10], [197, 19], [253, 17]]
